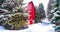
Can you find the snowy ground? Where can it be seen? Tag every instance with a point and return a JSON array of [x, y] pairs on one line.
[[38, 27]]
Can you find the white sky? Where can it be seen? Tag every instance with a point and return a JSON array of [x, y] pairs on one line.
[[37, 2]]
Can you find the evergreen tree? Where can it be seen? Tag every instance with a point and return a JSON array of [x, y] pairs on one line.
[[12, 6], [40, 13], [1, 1], [14, 18], [37, 20], [56, 17], [49, 8]]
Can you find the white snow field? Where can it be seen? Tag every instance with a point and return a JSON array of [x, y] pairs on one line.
[[38, 27]]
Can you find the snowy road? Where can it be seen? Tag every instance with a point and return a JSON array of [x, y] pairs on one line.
[[39, 27]]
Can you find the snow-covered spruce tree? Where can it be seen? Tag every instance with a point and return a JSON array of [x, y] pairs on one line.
[[40, 13], [10, 6], [49, 8], [14, 17], [37, 20], [17, 21], [56, 17]]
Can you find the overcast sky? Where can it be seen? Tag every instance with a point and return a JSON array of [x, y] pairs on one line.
[[37, 2]]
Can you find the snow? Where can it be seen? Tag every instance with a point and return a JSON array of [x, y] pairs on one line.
[[46, 20], [2, 28], [38, 27]]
